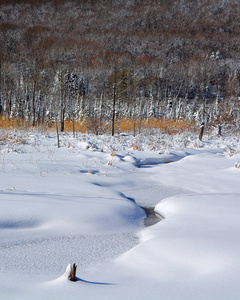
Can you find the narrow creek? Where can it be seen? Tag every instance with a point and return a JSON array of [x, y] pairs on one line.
[[152, 217]]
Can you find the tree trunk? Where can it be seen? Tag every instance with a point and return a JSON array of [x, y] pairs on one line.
[[134, 126], [201, 132], [219, 130], [62, 103], [113, 109], [62, 119], [73, 124], [33, 103], [140, 123], [58, 143]]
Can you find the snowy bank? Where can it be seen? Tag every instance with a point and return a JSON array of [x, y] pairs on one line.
[[80, 203]]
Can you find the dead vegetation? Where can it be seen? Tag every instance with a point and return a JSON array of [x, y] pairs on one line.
[[123, 125]]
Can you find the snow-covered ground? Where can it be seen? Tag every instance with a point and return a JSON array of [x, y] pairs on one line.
[[80, 203]]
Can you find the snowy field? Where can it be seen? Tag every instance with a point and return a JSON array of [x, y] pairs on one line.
[[81, 203]]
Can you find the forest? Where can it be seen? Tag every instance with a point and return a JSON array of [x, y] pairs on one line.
[[101, 62]]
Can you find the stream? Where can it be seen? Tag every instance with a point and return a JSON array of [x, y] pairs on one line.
[[52, 255]]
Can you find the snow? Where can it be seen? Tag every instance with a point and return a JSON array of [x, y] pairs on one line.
[[80, 203]]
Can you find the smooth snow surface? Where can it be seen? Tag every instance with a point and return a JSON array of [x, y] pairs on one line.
[[81, 204]]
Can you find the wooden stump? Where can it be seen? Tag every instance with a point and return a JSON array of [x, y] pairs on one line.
[[72, 275]]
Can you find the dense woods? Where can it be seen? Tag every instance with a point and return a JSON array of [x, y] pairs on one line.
[[101, 61]]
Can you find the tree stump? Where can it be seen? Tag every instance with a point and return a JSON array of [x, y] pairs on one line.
[[72, 275]]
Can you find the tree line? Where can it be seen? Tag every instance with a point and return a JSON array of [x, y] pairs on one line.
[[108, 59]]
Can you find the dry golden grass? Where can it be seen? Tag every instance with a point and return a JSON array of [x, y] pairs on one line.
[[10, 123], [80, 126], [127, 125], [168, 126]]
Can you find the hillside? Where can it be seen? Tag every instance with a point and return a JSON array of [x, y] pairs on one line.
[[106, 59]]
